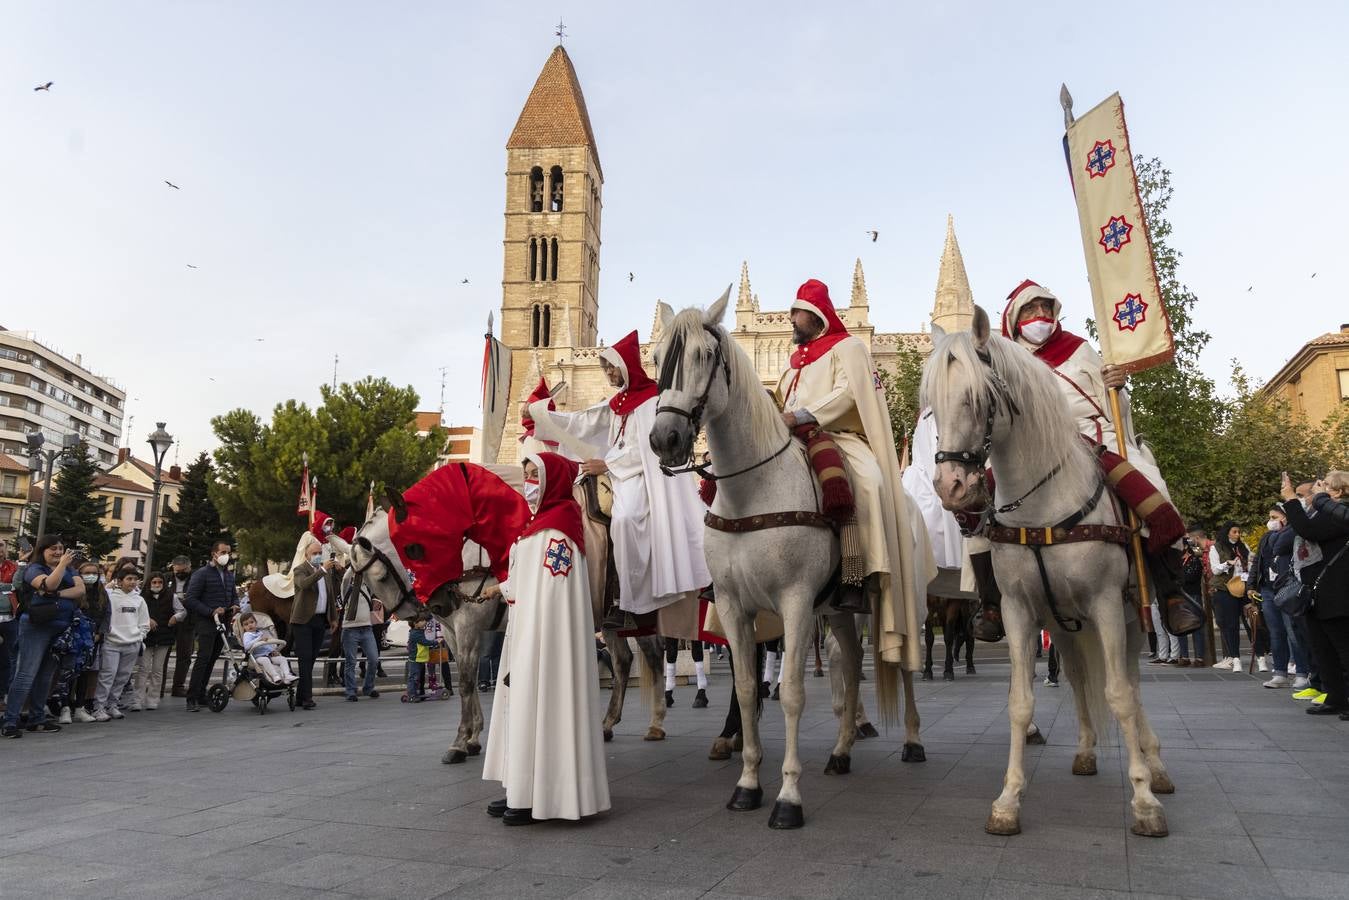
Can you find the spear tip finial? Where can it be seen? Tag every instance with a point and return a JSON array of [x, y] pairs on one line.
[[1066, 101]]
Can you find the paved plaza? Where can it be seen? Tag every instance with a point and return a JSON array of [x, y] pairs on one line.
[[351, 799]]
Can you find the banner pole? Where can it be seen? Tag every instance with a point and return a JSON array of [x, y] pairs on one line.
[[1135, 538]]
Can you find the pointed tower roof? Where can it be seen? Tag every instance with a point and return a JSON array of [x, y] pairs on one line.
[[859, 286], [744, 299], [953, 307], [555, 113]]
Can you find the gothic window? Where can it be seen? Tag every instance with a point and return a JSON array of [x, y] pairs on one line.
[[546, 331], [534, 326], [543, 260], [555, 202], [554, 269], [536, 189], [533, 259]]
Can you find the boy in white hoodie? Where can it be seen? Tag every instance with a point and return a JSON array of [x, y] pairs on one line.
[[128, 623]]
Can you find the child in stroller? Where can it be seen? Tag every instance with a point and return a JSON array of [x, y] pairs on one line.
[[263, 651], [245, 677]]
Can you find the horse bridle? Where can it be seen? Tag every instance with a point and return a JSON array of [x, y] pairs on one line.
[[406, 593], [672, 375]]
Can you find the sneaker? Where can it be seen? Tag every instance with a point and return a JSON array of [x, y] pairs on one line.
[[1262, 664], [1051, 682], [1301, 683], [1307, 693], [1320, 698], [1236, 664], [101, 715], [151, 707], [83, 715], [1224, 663], [11, 731], [64, 718], [135, 707], [115, 712], [1277, 681]]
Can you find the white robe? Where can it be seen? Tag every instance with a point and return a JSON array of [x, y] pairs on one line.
[[941, 524], [657, 526], [545, 743]]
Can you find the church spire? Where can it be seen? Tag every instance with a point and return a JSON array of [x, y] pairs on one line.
[[953, 307], [555, 113], [744, 299], [859, 286]]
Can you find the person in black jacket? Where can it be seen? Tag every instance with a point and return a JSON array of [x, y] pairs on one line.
[[154, 659], [1327, 525], [210, 598], [1271, 568]]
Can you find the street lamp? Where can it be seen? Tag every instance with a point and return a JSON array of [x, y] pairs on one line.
[[160, 441], [42, 461]]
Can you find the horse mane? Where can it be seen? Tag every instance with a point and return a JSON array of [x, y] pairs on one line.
[[765, 421], [1043, 418]]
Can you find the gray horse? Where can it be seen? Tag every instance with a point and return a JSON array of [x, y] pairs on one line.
[[761, 469], [993, 398]]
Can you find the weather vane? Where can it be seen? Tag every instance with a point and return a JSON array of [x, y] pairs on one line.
[[560, 31]]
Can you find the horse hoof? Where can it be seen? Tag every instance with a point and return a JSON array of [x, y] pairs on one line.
[[654, 734], [913, 753], [948, 676], [1084, 764], [608, 735], [1035, 738], [1162, 783], [1151, 824], [786, 815], [927, 676], [1004, 823], [867, 730], [454, 757], [721, 750], [474, 748], [745, 799], [969, 670], [837, 765]]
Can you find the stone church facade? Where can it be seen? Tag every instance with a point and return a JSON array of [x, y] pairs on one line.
[[550, 281]]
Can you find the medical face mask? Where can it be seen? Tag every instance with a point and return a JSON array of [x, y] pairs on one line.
[[90, 578], [316, 559], [1038, 330], [222, 560], [532, 494], [1273, 525]]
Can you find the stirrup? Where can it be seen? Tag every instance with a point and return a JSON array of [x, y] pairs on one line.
[[851, 598], [987, 625], [617, 620]]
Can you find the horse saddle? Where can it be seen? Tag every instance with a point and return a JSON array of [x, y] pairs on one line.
[[599, 497]]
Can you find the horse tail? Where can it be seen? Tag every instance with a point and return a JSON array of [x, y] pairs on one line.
[[888, 678], [1083, 662]]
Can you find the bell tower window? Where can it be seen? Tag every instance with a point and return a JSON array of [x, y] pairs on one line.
[[555, 202], [536, 189], [553, 271], [546, 331], [534, 326], [533, 258], [543, 260]]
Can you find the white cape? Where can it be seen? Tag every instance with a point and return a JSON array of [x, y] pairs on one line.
[[545, 743], [657, 526], [941, 525]]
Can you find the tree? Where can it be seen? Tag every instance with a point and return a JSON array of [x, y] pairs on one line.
[[360, 432], [74, 511], [901, 391], [191, 528]]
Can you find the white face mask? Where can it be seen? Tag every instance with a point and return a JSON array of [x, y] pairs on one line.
[[1273, 525], [316, 559], [222, 560], [532, 493], [90, 579], [1037, 331]]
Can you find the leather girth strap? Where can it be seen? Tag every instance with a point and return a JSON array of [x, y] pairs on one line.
[[1045, 537], [767, 520]]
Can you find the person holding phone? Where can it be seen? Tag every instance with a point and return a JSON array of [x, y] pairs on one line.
[[52, 598]]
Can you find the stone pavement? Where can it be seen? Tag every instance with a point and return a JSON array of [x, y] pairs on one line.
[[351, 799]]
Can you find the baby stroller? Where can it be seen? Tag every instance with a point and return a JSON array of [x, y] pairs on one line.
[[242, 678]]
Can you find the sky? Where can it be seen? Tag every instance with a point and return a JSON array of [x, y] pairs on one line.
[[340, 167]]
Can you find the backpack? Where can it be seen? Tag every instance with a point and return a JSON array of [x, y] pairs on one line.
[[23, 589]]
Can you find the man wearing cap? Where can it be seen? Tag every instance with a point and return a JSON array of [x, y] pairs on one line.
[[832, 382], [1031, 318], [657, 522]]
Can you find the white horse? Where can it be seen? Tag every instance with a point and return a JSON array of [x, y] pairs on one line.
[[779, 557], [1058, 552]]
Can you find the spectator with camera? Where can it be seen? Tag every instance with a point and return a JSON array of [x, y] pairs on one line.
[[49, 598], [1271, 567], [1321, 522]]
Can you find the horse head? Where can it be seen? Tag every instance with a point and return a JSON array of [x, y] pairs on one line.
[[375, 562], [692, 361], [952, 387]]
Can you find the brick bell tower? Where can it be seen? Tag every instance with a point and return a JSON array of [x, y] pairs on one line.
[[550, 281]]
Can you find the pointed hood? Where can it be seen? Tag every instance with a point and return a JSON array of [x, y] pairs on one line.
[[558, 509], [1061, 344], [626, 356], [813, 297], [540, 392]]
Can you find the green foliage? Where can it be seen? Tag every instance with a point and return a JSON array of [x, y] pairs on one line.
[[190, 528], [74, 510], [360, 433], [901, 392]]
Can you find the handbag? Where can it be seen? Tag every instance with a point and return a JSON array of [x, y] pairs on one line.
[[1183, 615], [42, 613], [1294, 598], [1236, 586]]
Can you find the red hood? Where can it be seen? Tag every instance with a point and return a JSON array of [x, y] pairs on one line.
[[541, 392], [638, 387], [1061, 344], [813, 297], [557, 507]]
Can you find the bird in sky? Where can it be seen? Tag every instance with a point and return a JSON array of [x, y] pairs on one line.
[[465, 281], [190, 266], [1249, 289], [44, 87], [172, 185], [631, 276], [874, 234], [1313, 274]]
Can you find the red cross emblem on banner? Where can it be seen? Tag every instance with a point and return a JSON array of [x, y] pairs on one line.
[[1130, 312], [557, 560], [1101, 159], [1115, 234]]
